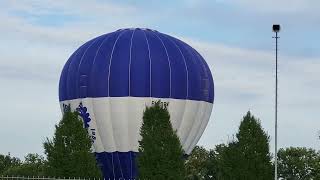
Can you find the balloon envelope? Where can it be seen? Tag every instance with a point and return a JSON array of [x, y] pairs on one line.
[[112, 78]]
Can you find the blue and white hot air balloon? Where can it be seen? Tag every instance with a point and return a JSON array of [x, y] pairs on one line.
[[112, 78]]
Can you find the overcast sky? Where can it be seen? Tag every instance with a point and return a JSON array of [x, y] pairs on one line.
[[234, 36]]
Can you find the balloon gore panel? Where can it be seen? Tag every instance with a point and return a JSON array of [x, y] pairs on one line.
[[117, 165]]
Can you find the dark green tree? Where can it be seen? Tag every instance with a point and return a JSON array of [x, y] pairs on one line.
[[212, 168], [246, 157], [226, 160], [34, 165], [253, 150], [160, 152], [6, 162], [298, 163], [196, 164], [69, 153]]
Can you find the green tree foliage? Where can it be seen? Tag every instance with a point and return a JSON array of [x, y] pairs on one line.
[[160, 152], [196, 164], [299, 163], [34, 165], [253, 149], [69, 152], [247, 157], [227, 159], [6, 162], [211, 166]]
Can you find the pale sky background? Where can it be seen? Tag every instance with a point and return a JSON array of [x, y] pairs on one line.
[[234, 36]]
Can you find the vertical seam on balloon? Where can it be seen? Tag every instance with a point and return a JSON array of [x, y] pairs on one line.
[[93, 104], [118, 153], [190, 50], [150, 68], [94, 59], [185, 64], [73, 58], [86, 52], [115, 42], [78, 72], [111, 56], [130, 154], [112, 165], [120, 164], [130, 92], [130, 62], [168, 59], [111, 61], [186, 102]]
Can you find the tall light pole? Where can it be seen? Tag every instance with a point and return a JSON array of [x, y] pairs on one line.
[[276, 29]]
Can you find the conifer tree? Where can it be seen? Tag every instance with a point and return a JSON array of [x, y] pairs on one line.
[[69, 152], [160, 152], [246, 157], [253, 149]]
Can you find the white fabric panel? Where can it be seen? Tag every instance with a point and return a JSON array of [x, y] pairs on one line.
[[93, 128], [135, 111], [195, 125], [205, 120], [176, 115], [190, 115], [103, 118], [117, 120]]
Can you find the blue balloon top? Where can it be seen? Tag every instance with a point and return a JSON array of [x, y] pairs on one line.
[[136, 62]]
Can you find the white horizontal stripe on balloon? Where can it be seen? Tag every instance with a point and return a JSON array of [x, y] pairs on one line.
[[117, 120]]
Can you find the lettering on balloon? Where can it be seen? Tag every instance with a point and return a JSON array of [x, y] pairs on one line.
[[66, 108], [162, 104], [86, 119]]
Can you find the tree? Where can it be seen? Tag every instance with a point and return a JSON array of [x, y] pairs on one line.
[[69, 152], [196, 164], [212, 171], [227, 161], [160, 152], [298, 163], [6, 162], [33, 165], [247, 156], [253, 148]]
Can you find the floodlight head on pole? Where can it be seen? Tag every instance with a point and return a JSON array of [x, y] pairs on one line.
[[276, 28]]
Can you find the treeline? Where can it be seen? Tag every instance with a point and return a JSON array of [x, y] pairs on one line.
[[33, 165], [68, 154], [245, 157]]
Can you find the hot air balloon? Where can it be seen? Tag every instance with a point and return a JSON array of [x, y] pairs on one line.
[[112, 78]]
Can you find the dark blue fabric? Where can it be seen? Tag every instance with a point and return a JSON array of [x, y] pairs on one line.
[[160, 67], [142, 63], [117, 165], [178, 69], [119, 68], [140, 66]]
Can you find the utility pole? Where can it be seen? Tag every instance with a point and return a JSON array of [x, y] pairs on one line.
[[276, 29]]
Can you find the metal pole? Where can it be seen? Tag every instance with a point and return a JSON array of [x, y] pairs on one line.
[[276, 115]]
